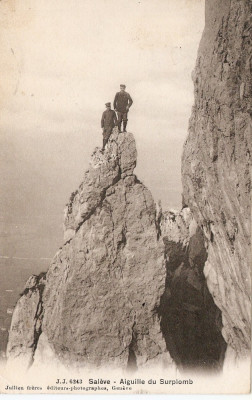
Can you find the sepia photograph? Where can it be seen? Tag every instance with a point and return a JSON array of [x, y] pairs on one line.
[[125, 197]]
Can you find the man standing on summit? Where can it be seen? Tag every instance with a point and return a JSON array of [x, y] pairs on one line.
[[122, 103], [108, 122]]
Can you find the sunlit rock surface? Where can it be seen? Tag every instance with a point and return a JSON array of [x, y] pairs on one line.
[[26, 322], [104, 286]]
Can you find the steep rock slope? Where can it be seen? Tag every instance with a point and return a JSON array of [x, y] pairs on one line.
[[104, 286], [26, 322], [216, 162]]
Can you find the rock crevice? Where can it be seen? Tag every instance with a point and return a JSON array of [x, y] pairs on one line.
[[190, 321]]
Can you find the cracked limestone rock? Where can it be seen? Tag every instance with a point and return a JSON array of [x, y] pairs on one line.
[[104, 285], [106, 169], [217, 159], [26, 322]]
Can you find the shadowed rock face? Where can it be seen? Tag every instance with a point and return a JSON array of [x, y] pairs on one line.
[[216, 162], [190, 321]]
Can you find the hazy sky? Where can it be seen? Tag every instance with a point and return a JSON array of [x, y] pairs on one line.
[[61, 60]]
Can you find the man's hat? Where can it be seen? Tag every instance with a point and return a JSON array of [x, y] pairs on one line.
[[123, 86], [108, 104]]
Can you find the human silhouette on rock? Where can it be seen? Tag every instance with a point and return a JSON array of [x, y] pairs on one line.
[[122, 103], [108, 122]]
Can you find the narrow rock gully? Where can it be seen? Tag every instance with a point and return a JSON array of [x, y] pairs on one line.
[[190, 320]]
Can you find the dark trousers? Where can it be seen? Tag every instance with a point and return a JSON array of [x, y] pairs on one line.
[[122, 116], [106, 134]]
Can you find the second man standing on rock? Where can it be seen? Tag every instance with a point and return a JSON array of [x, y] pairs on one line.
[[108, 122], [122, 103]]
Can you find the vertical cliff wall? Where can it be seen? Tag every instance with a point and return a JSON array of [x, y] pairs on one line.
[[217, 158]]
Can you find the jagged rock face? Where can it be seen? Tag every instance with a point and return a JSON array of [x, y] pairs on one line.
[[27, 321], [104, 286], [127, 288], [216, 162], [190, 321], [105, 171]]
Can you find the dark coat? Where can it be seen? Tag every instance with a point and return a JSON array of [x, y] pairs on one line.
[[109, 119], [122, 102]]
